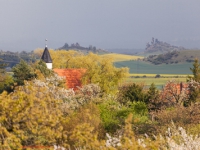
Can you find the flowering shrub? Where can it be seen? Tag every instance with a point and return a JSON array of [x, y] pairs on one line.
[[194, 90], [177, 138], [72, 100]]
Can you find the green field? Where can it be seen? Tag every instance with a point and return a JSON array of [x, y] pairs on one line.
[[141, 67]]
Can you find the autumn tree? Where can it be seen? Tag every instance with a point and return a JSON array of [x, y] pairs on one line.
[[30, 117], [101, 71], [174, 93], [64, 59]]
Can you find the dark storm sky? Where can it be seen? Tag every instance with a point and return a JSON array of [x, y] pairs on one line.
[[24, 24]]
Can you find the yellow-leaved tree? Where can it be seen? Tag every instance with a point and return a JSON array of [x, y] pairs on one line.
[[29, 116], [99, 70]]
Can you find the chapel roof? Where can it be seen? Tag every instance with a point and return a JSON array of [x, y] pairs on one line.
[[46, 57], [72, 76]]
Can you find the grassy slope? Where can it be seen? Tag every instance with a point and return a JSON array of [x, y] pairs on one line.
[[188, 54], [183, 56]]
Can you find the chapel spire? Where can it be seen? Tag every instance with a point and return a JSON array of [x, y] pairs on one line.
[[46, 57]]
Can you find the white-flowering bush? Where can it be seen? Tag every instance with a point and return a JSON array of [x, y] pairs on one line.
[[113, 141], [83, 95], [71, 99], [194, 84], [175, 139], [178, 139], [51, 86], [91, 90], [57, 147]]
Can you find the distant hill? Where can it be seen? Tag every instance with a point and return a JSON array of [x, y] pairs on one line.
[[77, 47], [157, 46], [174, 57], [13, 58]]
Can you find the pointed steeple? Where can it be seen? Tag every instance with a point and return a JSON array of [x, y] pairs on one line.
[[46, 57]]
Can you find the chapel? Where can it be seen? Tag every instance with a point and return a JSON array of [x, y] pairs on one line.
[[72, 76]]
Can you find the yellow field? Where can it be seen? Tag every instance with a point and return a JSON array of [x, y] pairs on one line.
[[122, 57], [162, 75], [159, 82], [150, 78]]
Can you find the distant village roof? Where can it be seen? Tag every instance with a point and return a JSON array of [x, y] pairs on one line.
[[46, 57], [72, 76]]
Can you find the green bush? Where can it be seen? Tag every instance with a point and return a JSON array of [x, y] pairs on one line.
[[139, 108], [157, 76], [113, 115], [132, 93], [108, 114]]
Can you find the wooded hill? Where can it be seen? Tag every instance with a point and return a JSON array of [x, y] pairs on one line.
[[13, 58], [78, 47], [174, 57]]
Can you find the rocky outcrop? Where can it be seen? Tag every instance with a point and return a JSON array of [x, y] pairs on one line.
[[159, 46]]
